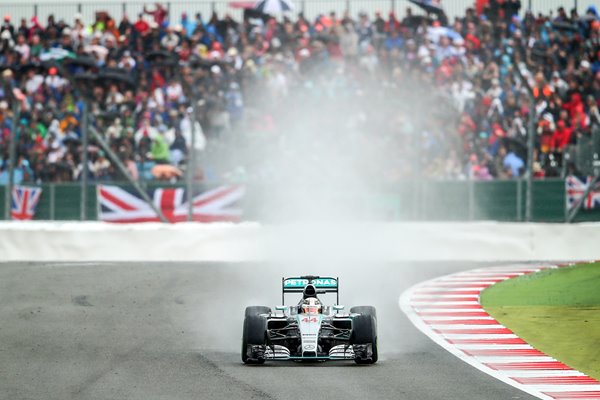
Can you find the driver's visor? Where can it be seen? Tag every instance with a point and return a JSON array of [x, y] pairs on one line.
[[311, 309]]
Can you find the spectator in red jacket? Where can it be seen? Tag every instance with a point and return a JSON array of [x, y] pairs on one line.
[[141, 25], [158, 12], [561, 136], [575, 107], [392, 24]]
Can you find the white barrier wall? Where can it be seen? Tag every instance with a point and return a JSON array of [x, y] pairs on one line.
[[480, 241]]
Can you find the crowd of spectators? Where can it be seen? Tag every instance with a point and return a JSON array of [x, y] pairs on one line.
[[417, 96]]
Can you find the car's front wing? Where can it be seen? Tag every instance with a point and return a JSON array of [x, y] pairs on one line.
[[340, 352]]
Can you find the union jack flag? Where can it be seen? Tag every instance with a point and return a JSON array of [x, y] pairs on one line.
[[120, 205], [576, 187], [24, 201]]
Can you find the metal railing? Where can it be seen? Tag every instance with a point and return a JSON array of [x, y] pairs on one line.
[[311, 8]]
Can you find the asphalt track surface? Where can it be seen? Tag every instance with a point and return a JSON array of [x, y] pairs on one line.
[[172, 331]]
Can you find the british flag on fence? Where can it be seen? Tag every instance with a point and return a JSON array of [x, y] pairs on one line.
[[575, 188], [24, 201], [121, 205]]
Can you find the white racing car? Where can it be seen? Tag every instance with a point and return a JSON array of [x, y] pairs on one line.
[[310, 330]]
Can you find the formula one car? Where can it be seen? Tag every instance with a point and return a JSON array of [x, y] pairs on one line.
[[309, 330]]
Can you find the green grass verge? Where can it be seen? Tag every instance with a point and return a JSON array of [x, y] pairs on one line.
[[557, 311]]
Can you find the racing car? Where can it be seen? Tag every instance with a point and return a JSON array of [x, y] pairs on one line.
[[309, 330]]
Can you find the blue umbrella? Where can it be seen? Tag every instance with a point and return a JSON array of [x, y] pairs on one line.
[[434, 33], [274, 6], [430, 6]]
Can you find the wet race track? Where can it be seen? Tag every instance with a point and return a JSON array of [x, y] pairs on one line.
[[173, 331]]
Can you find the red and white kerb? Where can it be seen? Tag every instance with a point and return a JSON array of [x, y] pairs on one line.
[[447, 309]]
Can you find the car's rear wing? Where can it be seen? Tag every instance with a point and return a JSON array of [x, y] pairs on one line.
[[323, 284]]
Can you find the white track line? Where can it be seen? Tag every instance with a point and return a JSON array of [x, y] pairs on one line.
[[470, 327], [543, 373], [475, 279], [508, 360], [434, 290], [493, 346], [445, 310], [462, 328], [567, 388], [454, 317], [441, 303], [460, 337], [421, 296]]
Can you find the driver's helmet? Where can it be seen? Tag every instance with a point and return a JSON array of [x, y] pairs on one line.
[[311, 305]]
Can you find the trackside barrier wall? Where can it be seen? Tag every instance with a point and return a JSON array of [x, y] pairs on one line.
[[308, 244], [409, 201]]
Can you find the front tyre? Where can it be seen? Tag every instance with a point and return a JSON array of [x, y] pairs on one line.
[[374, 355], [254, 339], [364, 339]]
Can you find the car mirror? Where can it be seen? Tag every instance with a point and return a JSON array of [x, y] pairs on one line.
[[281, 308], [338, 307]]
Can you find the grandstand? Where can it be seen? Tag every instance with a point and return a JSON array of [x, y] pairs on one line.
[[384, 94]]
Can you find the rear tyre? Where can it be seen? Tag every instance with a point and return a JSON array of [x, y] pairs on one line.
[[254, 334], [365, 310], [364, 333]]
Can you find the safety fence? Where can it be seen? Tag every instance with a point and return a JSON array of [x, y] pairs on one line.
[[586, 152], [311, 8], [409, 201]]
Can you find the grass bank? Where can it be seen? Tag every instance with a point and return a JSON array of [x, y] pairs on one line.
[[557, 311]]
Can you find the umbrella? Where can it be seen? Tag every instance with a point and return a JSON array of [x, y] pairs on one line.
[[36, 66], [434, 33], [161, 56], [55, 53], [241, 4], [166, 171], [564, 26], [430, 6], [255, 17], [86, 78], [274, 6], [114, 75], [83, 61], [204, 63]]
